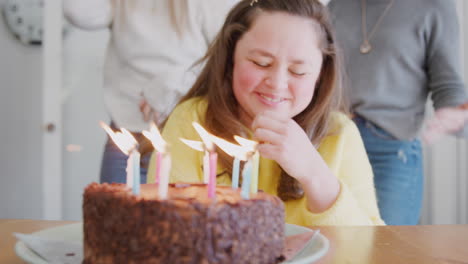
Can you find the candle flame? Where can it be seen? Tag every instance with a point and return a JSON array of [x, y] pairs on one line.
[[205, 136], [233, 150], [252, 145], [197, 145], [124, 140], [156, 138]]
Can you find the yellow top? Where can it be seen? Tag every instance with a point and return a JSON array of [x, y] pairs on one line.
[[343, 151]]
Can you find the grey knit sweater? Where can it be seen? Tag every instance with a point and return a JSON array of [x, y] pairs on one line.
[[416, 53]]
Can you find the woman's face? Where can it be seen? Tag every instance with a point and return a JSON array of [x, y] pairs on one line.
[[276, 65]]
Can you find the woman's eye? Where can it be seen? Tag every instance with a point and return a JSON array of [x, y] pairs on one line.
[[261, 64], [298, 73]]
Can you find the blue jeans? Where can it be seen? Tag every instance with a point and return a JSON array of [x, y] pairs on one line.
[[114, 163], [398, 173]]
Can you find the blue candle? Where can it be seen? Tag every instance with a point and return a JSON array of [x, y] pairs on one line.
[[235, 173], [246, 178], [136, 171]]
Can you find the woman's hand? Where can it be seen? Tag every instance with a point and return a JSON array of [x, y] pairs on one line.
[[149, 114], [445, 121], [283, 140]]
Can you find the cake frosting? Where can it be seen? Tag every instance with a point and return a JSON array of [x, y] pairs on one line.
[[187, 227]]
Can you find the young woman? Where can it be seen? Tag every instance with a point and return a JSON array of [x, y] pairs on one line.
[[273, 74]]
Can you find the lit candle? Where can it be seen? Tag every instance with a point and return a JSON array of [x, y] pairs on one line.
[[163, 160], [212, 181], [197, 145], [128, 145], [135, 157], [238, 152], [255, 167], [252, 145], [163, 185], [129, 171], [158, 158], [235, 173], [246, 180], [213, 157]]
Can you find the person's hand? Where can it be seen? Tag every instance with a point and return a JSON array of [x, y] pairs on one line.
[[445, 121], [283, 140], [149, 114]]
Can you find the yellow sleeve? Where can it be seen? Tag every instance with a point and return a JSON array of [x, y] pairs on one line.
[[345, 154], [186, 162]]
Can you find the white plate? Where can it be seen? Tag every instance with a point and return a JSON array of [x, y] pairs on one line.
[[74, 232], [314, 249]]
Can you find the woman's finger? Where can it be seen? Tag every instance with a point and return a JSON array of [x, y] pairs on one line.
[[270, 123], [269, 151], [264, 135]]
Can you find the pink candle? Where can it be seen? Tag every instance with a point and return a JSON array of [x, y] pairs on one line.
[[158, 159], [212, 181]]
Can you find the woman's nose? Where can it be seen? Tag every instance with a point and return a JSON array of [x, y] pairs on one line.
[[277, 79]]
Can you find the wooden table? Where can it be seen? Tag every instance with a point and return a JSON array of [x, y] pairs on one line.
[[425, 244], [8, 241], [444, 244]]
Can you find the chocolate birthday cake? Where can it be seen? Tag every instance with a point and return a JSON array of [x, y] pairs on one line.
[[187, 227]]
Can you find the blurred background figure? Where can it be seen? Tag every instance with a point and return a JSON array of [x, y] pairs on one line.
[[396, 58], [153, 45]]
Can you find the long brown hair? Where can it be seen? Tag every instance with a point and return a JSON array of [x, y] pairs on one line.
[[215, 81]]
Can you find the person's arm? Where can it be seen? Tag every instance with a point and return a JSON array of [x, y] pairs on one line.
[[89, 14], [444, 71], [337, 180], [284, 141], [356, 203], [443, 56], [446, 120]]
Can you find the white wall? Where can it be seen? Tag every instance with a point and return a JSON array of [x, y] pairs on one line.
[[21, 120], [20, 128], [83, 108]]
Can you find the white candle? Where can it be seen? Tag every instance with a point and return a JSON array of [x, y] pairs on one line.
[[129, 171], [127, 144], [163, 185], [158, 159], [199, 146]]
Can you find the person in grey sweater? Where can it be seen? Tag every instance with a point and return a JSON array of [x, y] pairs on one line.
[[398, 53]]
